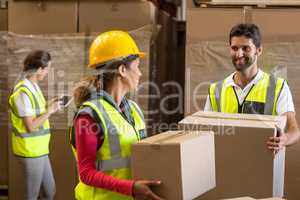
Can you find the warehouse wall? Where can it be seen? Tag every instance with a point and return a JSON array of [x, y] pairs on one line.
[[3, 94], [3, 111]]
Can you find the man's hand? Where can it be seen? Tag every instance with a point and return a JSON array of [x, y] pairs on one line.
[[276, 143], [291, 136], [142, 190]]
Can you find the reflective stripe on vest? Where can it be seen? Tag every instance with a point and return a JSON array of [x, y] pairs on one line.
[[29, 144], [116, 163], [270, 96], [271, 90], [139, 120], [31, 134]]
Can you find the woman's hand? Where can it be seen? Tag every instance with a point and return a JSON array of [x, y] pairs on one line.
[[142, 191], [53, 105]]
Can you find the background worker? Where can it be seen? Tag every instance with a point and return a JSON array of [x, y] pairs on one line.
[[250, 90], [107, 123], [30, 126]]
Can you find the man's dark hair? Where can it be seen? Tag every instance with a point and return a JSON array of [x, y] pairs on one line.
[[250, 31], [36, 59]]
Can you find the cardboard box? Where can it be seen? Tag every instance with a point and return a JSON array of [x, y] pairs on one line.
[[183, 161], [100, 16], [285, 22], [244, 166], [42, 17], [3, 19], [211, 23]]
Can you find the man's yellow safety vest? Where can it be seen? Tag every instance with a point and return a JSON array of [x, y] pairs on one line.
[[24, 143], [113, 158], [261, 99]]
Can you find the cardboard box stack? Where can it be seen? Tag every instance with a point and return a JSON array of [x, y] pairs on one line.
[[244, 166], [183, 161]]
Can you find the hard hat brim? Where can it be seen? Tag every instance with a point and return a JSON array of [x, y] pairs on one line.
[[140, 55]]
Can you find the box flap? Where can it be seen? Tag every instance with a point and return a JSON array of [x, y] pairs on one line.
[[228, 119]]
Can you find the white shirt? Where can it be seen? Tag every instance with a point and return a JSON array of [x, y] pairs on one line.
[[22, 101], [284, 102]]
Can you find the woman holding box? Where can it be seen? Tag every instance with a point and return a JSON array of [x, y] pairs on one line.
[[107, 124]]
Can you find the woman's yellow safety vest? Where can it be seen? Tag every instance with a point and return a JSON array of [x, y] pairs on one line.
[[24, 143], [113, 158], [261, 99]]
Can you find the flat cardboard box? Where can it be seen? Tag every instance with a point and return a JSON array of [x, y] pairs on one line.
[[42, 17], [106, 15], [183, 161], [244, 166]]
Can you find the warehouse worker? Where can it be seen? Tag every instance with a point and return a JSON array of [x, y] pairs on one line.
[[250, 90], [107, 123], [30, 126]]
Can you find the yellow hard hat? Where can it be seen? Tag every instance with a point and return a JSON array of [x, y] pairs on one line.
[[112, 45]]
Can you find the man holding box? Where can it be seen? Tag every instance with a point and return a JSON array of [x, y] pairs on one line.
[[250, 90]]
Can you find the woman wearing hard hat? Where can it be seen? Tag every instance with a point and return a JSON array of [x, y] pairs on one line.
[[107, 124], [30, 126]]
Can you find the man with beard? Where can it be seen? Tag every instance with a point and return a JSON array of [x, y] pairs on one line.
[[250, 90]]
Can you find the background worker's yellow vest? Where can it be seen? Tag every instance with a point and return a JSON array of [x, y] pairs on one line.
[[113, 158], [24, 143], [261, 99]]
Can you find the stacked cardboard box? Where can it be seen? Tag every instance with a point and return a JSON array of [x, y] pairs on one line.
[[183, 161], [100, 16], [244, 166], [48, 16], [42, 17], [3, 19]]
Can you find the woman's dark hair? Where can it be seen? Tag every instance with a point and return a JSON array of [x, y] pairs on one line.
[[106, 73], [250, 31], [36, 59]]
